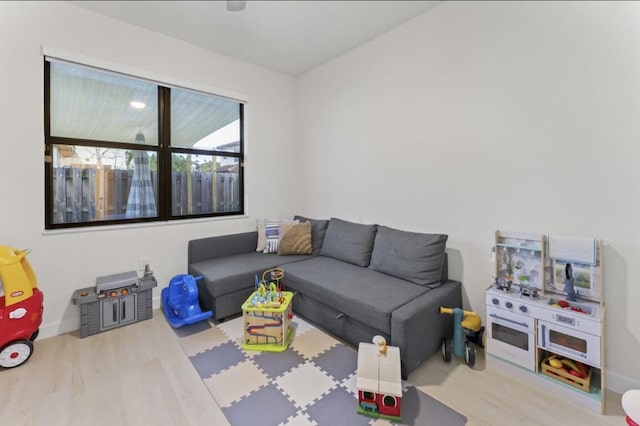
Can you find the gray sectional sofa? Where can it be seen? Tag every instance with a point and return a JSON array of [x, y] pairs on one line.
[[361, 281]]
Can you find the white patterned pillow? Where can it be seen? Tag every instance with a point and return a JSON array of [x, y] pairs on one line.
[[272, 233], [261, 236]]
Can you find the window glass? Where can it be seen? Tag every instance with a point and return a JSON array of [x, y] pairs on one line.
[[204, 121], [97, 184], [91, 104], [202, 184], [389, 401], [110, 157]]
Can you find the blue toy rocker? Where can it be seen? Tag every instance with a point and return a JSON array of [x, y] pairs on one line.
[[180, 301]]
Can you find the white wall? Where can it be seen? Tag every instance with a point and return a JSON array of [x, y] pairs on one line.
[[479, 116], [65, 261], [470, 118]]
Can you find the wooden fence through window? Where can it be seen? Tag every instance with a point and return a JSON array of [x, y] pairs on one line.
[[85, 194]]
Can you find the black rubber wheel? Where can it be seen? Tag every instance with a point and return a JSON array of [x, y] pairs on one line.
[[447, 350], [34, 336], [469, 354], [15, 353]]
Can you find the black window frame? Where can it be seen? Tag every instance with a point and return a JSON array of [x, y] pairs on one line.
[[164, 152]]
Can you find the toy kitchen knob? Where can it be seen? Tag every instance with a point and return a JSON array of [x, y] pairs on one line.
[[523, 309], [509, 305], [495, 301]]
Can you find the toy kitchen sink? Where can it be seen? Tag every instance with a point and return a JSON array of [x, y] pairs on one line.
[[585, 308]]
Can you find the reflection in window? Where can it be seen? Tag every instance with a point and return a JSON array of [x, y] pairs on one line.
[[91, 104]]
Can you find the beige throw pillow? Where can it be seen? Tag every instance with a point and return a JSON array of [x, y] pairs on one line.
[[295, 239]]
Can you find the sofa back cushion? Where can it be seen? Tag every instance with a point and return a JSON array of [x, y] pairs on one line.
[[413, 256], [349, 242], [318, 229]]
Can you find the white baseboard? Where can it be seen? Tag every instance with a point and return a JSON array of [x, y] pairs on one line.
[[567, 393], [620, 383], [57, 328]]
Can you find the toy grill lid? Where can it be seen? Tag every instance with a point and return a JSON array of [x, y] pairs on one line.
[[123, 279]]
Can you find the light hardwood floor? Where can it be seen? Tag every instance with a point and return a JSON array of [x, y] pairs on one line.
[[139, 375]]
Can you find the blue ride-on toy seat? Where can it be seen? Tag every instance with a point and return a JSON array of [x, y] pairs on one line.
[[180, 301]]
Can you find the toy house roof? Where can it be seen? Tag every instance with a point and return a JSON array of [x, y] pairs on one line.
[[379, 373]]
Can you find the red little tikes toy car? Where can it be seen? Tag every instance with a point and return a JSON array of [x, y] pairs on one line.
[[20, 307]]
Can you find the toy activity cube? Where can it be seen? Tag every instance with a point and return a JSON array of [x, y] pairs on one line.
[[267, 324]]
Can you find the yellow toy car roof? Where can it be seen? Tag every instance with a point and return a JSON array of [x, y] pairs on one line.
[[16, 275]]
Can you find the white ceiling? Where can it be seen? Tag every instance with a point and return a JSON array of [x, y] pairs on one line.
[[287, 36]]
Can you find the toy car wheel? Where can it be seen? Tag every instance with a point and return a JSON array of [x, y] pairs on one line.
[[446, 350], [15, 353], [469, 354], [34, 336]]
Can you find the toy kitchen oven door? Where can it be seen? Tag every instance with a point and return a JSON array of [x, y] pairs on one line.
[[510, 331]]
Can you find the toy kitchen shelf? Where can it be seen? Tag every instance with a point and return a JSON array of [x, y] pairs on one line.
[[533, 281]]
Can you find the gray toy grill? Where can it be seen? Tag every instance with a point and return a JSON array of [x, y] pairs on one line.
[[115, 301]]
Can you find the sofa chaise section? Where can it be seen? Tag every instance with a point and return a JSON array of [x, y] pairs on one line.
[[357, 303], [362, 292], [228, 265]]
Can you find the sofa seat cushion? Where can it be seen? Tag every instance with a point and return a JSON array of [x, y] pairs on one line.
[[358, 292], [224, 275]]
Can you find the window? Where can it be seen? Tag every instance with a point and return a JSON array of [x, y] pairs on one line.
[[121, 149], [389, 401], [368, 395]]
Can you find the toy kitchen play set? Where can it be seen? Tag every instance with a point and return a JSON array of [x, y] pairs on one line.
[[545, 314]]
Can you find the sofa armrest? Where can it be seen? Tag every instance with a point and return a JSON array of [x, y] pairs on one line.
[[445, 269], [221, 246], [418, 327]]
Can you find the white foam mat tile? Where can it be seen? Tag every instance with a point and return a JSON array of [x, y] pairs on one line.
[[300, 420], [300, 325], [313, 343], [236, 382], [199, 342], [305, 384], [350, 384], [232, 328]]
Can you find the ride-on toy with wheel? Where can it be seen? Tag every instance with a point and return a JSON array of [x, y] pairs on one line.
[[180, 301], [20, 307], [466, 323]]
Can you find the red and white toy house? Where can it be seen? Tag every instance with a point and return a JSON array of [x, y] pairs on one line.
[[379, 382]]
